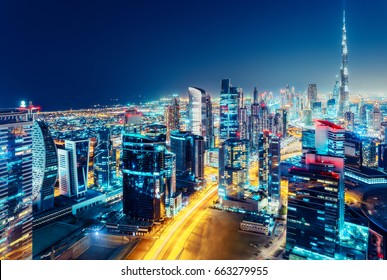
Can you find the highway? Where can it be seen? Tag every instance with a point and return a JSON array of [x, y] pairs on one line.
[[171, 241]]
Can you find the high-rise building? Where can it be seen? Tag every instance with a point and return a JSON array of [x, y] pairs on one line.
[[274, 154], [170, 183], [312, 95], [200, 115], [377, 117], [344, 89], [233, 169], [189, 150], [44, 167], [330, 138], [349, 121], [315, 208], [172, 116], [254, 124], [144, 176], [73, 168], [16, 184], [105, 164], [308, 140], [230, 98], [353, 150], [133, 120]]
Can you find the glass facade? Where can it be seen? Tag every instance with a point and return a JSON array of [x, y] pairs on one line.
[[315, 208], [229, 109], [15, 185], [233, 169], [144, 176], [44, 166]]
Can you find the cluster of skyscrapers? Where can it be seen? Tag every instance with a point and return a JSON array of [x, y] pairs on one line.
[[157, 166]]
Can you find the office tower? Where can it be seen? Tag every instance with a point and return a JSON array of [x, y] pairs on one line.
[[73, 168], [170, 182], [383, 126], [230, 98], [16, 184], [344, 90], [255, 128], [349, 121], [244, 124], [210, 131], [280, 125], [363, 115], [315, 208], [353, 149], [172, 116], [312, 94], [189, 150], [263, 160], [143, 171], [377, 117], [105, 164], [44, 167], [330, 138], [233, 169], [274, 155], [133, 120], [200, 115]]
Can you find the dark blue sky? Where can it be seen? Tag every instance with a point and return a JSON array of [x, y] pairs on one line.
[[64, 54]]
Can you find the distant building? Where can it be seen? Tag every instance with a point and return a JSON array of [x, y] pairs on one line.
[[312, 95], [16, 184], [44, 167], [133, 120]]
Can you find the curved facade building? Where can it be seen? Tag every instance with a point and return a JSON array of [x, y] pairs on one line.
[[44, 167]]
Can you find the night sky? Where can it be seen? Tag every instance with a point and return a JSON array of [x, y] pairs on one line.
[[72, 54]]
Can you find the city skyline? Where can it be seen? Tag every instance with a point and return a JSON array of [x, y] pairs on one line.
[[131, 52]]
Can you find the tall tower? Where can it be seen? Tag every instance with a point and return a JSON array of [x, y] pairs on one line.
[[344, 90]]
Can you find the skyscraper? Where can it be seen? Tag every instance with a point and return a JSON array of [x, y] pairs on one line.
[[189, 150], [200, 115], [274, 190], [230, 98], [16, 184], [255, 128], [172, 116], [330, 138], [315, 208], [233, 169], [344, 89], [44, 167], [105, 165], [144, 176], [312, 95], [74, 167]]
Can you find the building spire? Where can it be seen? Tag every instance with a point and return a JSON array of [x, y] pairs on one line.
[[344, 90]]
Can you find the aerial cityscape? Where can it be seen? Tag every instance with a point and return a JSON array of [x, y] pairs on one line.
[[297, 172]]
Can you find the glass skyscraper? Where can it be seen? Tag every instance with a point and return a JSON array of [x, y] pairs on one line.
[[44, 166], [15, 185], [233, 169], [230, 98], [144, 176]]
